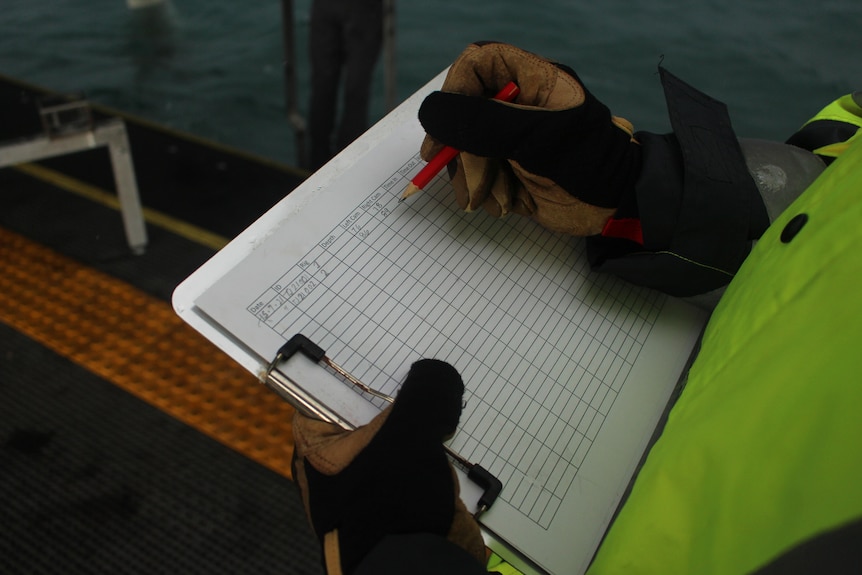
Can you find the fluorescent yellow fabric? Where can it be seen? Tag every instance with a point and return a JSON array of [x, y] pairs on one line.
[[764, 447], [496, 564], [844, 109]]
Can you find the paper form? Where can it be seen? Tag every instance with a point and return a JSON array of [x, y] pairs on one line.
[[566, 370]]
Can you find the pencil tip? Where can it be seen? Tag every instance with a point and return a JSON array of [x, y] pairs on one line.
[[409, 191]]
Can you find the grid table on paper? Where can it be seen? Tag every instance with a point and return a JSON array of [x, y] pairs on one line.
[[543, 352]]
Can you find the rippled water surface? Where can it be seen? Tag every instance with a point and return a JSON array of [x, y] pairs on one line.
[[214, 68]]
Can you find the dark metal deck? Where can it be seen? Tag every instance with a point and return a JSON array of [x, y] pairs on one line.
[[127, 442]]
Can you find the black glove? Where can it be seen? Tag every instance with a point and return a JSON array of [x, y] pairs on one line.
[[391, 476], [676, 212], [555, 154]]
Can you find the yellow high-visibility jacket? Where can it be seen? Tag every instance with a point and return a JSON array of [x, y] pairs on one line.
[[759, 468]]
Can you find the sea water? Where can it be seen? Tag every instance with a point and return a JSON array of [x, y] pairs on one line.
[[214, 68]]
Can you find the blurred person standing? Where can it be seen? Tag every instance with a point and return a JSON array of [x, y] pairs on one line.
[[345, 43]]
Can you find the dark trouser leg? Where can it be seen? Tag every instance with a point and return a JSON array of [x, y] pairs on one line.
[[327, 54], [363, 39]]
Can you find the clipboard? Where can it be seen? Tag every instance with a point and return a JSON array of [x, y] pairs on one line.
[[587, 376]]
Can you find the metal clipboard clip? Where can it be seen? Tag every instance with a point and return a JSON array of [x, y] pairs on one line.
[[308, 405]]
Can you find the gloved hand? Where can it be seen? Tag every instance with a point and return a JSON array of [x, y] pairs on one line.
[[391, 476], [556, 154]]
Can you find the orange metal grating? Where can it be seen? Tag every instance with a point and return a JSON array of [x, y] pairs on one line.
[[137, 342]]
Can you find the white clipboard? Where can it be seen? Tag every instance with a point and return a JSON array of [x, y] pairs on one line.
[[634, 345]]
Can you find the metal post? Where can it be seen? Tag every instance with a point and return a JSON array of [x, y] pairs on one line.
[[114, 134], [111, 133]]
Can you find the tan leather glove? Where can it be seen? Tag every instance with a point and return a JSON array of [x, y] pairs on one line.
[[555, 154], [391, 476]]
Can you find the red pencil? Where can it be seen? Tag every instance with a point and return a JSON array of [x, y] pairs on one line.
[[448, 153]]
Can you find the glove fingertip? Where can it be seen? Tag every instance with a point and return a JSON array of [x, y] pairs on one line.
[[429, 148], [481, 126], [431, 396], [437, 369], [435, 111], [467, 123]]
